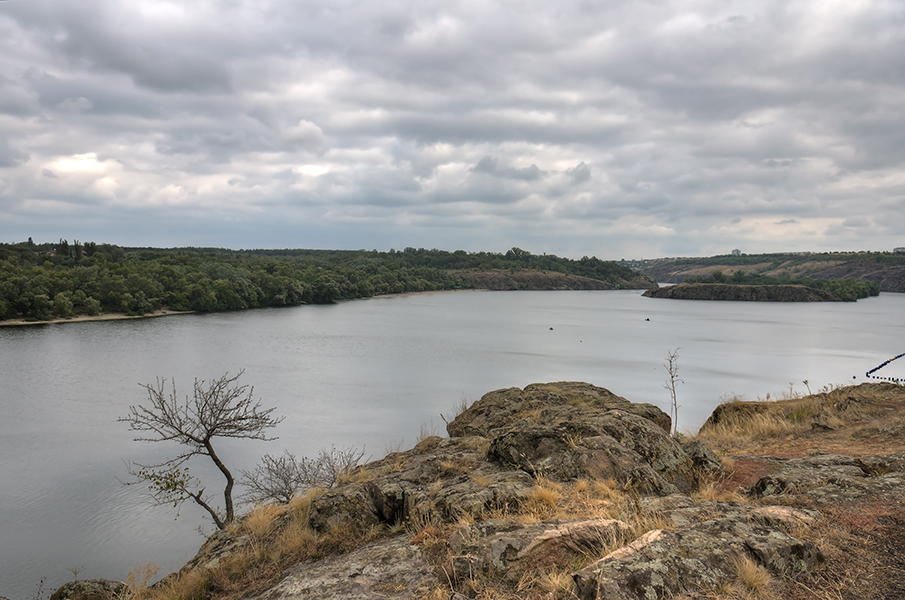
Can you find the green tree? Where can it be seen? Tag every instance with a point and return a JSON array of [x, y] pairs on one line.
[[62, 306]]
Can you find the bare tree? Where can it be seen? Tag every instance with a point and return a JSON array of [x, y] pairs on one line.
[[280, 478], [672, 368], [220, 409]]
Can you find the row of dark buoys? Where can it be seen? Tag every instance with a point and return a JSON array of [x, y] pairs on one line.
[[883, 364]]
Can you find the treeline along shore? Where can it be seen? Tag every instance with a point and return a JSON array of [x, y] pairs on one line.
[[42, 282]]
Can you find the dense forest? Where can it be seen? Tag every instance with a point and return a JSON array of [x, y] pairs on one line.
[[46, 281], [847, 290]]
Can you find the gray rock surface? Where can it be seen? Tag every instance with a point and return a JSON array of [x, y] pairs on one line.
[[699, 551], [89, 589], [834, 478], [506, 549], [391, 568]]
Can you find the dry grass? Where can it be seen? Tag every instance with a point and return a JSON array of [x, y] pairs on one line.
[[863, 542], [458, 408], [481, 480], [278, 537], [454, 467], [579, 499], [556, 582], [356, 475], [191, 585], [259, 522], [426, 431], [718, 491], [752, 577], [546, 495], [837, 418], [137, 581]]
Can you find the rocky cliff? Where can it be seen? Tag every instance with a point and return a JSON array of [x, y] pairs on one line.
[[524, 279], [567, 490]]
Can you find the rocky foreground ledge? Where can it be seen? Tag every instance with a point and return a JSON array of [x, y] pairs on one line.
[[565, 490]]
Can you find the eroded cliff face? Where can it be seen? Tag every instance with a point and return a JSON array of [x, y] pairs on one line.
[[555, 491], [524, 279]]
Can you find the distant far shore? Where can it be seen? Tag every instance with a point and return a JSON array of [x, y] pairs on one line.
[[167, 313]]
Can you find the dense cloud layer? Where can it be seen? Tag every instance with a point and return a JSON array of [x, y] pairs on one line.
[[621, 129]]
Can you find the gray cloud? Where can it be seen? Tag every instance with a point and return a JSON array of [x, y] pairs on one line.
[[618, 129], [490, 166]]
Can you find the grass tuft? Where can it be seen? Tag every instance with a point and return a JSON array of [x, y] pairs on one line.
[[752, 577], [259, 522], [137, 581]]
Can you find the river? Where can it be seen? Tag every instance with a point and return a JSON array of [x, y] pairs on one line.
[[372, 373]]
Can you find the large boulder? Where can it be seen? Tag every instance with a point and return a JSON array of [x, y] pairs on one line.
[[547, 403], [501, 445], [90, 589], [440, 478]]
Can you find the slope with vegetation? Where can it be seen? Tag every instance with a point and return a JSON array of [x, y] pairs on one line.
[[886, 269], [565, 490], [46, 281]]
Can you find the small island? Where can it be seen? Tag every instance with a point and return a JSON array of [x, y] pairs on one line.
[[759, 288]]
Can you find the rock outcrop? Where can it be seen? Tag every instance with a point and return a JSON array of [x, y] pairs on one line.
[[500, 446], [90, 589], [488, 504]]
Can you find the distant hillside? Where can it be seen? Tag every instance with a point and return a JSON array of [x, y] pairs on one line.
[[884, 268]]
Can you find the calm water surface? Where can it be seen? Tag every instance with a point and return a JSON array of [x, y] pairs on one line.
[[369, 373]]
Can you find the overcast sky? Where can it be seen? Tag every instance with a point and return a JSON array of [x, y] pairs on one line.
[[630, 129]]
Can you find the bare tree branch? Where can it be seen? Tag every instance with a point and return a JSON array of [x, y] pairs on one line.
[[672, 368], [281, 478], [221, 408]]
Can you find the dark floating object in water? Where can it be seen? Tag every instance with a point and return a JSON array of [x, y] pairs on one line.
[[871, 375]]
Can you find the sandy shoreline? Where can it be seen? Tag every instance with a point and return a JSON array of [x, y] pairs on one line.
[[167, 313], [102, 317]]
